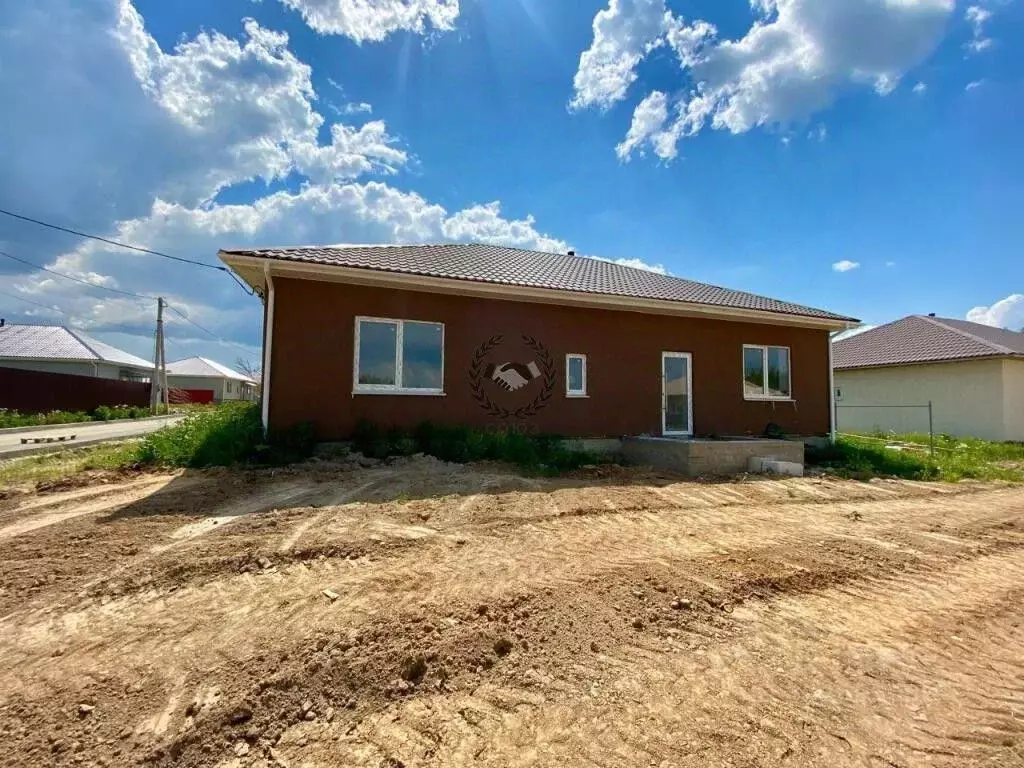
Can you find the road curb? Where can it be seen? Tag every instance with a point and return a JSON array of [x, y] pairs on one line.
[[32, 450], [82, 424]]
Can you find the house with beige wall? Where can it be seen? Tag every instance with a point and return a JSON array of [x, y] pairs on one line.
[[972, 374]]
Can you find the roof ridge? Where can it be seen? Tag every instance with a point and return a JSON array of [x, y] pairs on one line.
[[78, 338], [990, 344]]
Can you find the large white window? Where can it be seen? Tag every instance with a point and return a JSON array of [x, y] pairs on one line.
[[398, 357], [575, 375], [766, 373]]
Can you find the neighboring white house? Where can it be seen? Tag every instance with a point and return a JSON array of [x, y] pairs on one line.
[[972, 374], [58, 349], [198, 374]]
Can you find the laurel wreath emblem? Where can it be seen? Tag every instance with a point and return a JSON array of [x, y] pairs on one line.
[[476, 379]]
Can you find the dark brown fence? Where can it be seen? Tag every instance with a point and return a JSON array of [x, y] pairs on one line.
[[34, 391]]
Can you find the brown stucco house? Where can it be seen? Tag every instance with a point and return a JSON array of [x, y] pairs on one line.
[[482, 335]]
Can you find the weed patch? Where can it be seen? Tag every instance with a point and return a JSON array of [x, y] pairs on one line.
[[10, 418], [542, 454], [908, 457], [218, 437]]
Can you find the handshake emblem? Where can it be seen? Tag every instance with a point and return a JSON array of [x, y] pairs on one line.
[[513, 376]]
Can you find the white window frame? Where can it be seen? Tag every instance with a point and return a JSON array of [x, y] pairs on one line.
[[393, 389], [665, 431], [569, 392], [764, 367]]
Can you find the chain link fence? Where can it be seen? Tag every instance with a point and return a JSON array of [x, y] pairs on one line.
[[875, 420]]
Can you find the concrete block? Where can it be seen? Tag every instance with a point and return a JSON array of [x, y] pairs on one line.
[[758, 465]]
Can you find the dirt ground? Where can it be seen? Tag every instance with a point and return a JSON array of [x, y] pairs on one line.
[[425, 614]]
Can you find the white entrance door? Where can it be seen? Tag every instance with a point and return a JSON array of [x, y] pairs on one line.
[[676, 393]]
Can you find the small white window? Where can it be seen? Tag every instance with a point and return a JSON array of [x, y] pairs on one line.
[[398, 357], [229, 386], [766, 373], [575, 375]]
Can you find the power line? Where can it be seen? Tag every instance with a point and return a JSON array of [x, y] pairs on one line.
[[130, 247], [205, 330], [75, 279], [113, 290], [30, 301], [113, 242]]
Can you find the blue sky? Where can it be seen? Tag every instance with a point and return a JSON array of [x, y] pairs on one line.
[[858, 155]]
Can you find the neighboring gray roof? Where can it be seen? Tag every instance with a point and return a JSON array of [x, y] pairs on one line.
[[514, 266], [56, 342], [921, 339], [201, 366]]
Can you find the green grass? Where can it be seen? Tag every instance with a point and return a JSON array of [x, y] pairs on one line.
[[102, 413], [227, 435], [541, 454], [218, 437], [954, 459], [56, 466]]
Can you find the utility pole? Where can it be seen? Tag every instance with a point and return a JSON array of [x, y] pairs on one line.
[[159, 379]]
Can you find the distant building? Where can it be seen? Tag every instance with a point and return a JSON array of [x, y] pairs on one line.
[[59, 349], [205, 380], [972, 374]]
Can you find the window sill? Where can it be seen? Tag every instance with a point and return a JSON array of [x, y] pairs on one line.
[[769, 399], [577, 396], [399, 392]]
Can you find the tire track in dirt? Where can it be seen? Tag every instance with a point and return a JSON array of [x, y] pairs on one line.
[[868, 676], [52, 511], [427, 562], [486, 567]]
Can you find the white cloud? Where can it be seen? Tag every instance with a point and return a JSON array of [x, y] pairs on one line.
[[791, 63], [484, 224], [648, 121], [374, 20], [640, 264], [921, 88], [353, 108], [352, 152], [819, 133], [853, 332], [624, 33], [845, 265], [1005, 313], [978, 17], [132, 141], [974, 84], [890, 263]]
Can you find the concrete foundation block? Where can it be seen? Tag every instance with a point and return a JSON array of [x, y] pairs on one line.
[[758, 465]]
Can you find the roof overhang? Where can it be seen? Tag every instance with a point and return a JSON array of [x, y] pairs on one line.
[[937, 361], [253, 270], [97, 360]]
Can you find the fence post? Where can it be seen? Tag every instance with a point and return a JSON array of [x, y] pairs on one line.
[[931, 431]]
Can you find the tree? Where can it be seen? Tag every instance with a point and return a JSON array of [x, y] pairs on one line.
[[250, 370]]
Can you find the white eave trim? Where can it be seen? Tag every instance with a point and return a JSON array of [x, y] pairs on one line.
[[254, 270]]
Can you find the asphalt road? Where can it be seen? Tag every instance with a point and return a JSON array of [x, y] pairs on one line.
[[88, 433]]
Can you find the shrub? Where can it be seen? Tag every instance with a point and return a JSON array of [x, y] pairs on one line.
[[537, 453], [10, 418], [229, 434]]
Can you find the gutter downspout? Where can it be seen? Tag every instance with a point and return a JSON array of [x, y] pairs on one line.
[[831, 392], [268, 346]]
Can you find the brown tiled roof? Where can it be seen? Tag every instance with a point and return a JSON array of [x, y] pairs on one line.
[[920, 339], [514, 266]]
